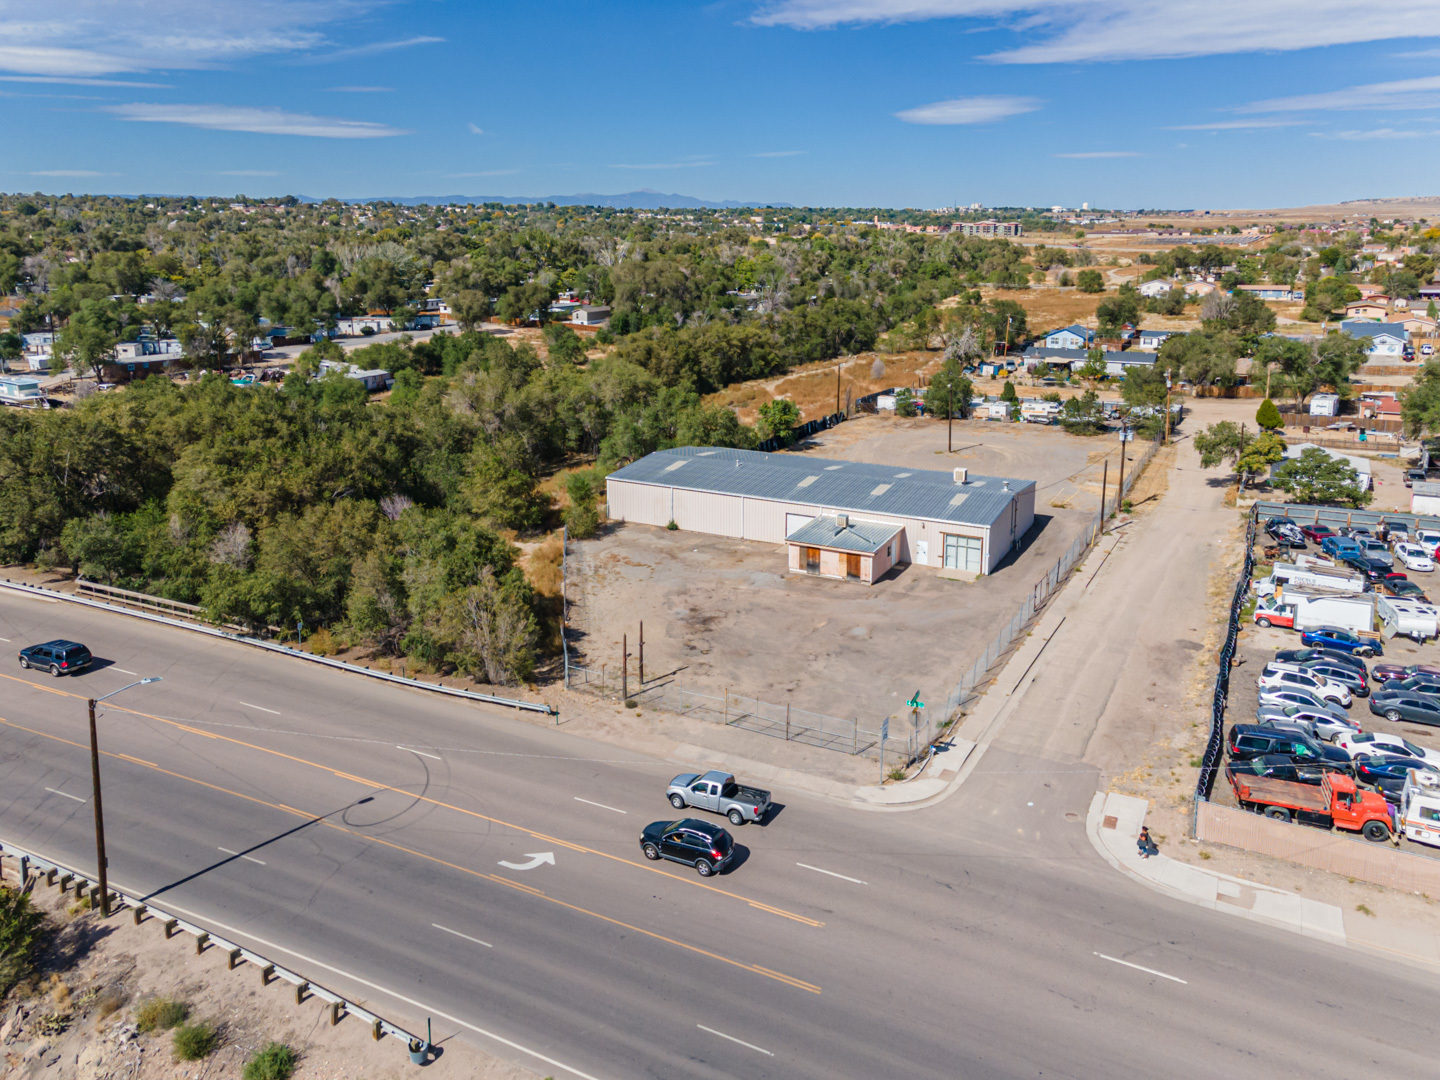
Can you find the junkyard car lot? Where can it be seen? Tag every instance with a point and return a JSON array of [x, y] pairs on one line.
[[726, 614]]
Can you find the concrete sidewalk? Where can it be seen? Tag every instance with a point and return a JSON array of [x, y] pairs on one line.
[[1113, 825]]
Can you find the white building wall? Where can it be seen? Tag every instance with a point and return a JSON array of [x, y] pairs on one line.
[[701, 511], [765, 519], [644, 504]]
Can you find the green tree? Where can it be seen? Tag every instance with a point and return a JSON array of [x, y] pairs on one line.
[[1420, 401], [489, 630], [1199, 358], [1268, 416], [1090, 281], [22, 933], [778, 418], [1093, 370], [502, 493], [1317, 477], [949, 389], [582, 519], [1007, 393], [1083, 415], [1143, 386], [904, 402], [1118, 311], [12, 348], [1249, 454]]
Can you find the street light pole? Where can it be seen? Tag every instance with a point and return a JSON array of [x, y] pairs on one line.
[[100, 860]]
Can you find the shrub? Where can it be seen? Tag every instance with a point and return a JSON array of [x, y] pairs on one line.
[[275, 1062], [582, 520], [160, 1014], [196, 1041], [22, 930]]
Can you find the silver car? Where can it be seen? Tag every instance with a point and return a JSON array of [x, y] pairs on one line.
[[1320, 726], [1280, 699]]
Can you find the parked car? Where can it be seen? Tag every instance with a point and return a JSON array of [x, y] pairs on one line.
[[1322, 726], [1377, 551], [1285, 531], [706, 847], [1334, 804], [1316, 534], [1405, 590], [1256, 740], [1387, 774], [1282, 697], [1397, 532], [1425, 685], [1372, 570], [718, 792], [1414, 557], [1339, 546], [1358, 533], [59, 657], [1271, 612], [1377, 742], [1273, 678], [1397, 705], [1413, 475], [1281, 767], [1343, 674], [1305, 656], [1429, 539], [1329, 637], [1389, 672]]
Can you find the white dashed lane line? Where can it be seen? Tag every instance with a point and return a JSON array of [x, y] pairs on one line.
[[458, 934], [601, 805], [732, 1038], [247, 858], [65, 794], [1137, 967]]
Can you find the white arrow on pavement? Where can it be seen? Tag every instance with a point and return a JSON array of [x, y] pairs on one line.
[[539, 859]]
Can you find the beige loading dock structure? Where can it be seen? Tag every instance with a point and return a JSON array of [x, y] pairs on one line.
[[954, 521]]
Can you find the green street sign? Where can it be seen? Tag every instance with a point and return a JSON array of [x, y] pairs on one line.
[[915, 702]]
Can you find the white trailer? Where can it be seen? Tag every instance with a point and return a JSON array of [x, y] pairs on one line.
[[1419, 808], [21, 390], [1317, 578], [1325, 405], [1407, 618], [1344, 612]]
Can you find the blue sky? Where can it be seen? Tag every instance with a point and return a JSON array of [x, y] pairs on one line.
[[1124, 103]]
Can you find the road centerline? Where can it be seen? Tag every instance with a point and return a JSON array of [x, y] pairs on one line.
[[601, 805], [458, 934], [65, 794], [732, 1038], [1137, 967], [248, 858], [831, 873]]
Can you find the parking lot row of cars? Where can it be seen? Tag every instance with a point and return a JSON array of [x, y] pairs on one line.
[[1375, 554]]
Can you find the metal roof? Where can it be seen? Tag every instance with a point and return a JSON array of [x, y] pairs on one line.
[[850, 487], [1423, 487], [866, 537]]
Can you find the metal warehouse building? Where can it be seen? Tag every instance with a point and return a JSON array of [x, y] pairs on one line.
[[833, 514]]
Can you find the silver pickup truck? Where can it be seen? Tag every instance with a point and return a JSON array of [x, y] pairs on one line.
[[718, 791]]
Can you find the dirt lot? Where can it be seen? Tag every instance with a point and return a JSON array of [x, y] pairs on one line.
[[725, 613]]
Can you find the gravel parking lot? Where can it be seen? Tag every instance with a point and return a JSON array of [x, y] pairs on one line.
[[724, 613], [1258, 645]]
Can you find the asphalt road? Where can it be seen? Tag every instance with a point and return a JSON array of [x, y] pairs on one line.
[[359, 831]]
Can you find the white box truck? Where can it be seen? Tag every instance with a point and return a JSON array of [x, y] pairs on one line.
[[1407, 618], [1344, 612], [1419, 809], [1311, 577]]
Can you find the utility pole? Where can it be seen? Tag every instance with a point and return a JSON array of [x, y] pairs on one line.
[[838, 366], [1120, 486], [624, 668], [642, 655], [101, 862], [950, 418], [1104, 480], [1167, 405]]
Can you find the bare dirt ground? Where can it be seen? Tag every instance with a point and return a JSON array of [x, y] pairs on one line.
[[95, 974], [724, 613]]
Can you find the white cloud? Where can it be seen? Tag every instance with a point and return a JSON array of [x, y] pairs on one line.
[[1373, 133], [372, 48], [1422, 93], [76, 81], [259, 121], [1075, 30], [92, 38], [1085, 154], [668, 165], [362, 89], [970, 110], [70, 172], [1234, 125], [476, 129], [779, 153]]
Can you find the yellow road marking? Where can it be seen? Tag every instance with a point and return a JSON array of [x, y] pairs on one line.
[[759, 905], [536, 893]]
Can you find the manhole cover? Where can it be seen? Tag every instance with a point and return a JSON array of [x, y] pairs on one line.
[[1110, 821], [1070, 815]]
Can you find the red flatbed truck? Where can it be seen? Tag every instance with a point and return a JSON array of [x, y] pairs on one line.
[[1334, 802]]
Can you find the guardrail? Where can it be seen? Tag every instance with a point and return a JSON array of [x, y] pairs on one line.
[[1215, 744], [284, 650], [340, 1006]]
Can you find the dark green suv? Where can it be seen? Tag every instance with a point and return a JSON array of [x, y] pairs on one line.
[[57, 657]]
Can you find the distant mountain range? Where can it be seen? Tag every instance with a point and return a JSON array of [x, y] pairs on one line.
[[644, 199]]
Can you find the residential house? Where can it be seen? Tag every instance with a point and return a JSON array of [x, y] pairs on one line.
[[1386, 339], [354, 326], [1157, 287], [1359, 464], [1417, 325], [590, 316], [1152, 339], [1373, 307], [1270, 292], [1367, 291], [1074, 336], [1199, 288], [1116, 363]]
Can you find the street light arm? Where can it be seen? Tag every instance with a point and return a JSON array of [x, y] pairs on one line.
[[139, 682]]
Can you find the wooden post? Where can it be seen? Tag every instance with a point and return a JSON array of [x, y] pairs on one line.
[[727, 706], [624, 669], [787, 721], [642, 655], [1104, 481]]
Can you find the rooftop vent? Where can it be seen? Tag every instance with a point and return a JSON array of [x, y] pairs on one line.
[[842, 521], [962, 476], [1005, 485]]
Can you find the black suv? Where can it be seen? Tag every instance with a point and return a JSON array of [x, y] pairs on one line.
[[59, 657], [700, 844], [1257, 740]]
